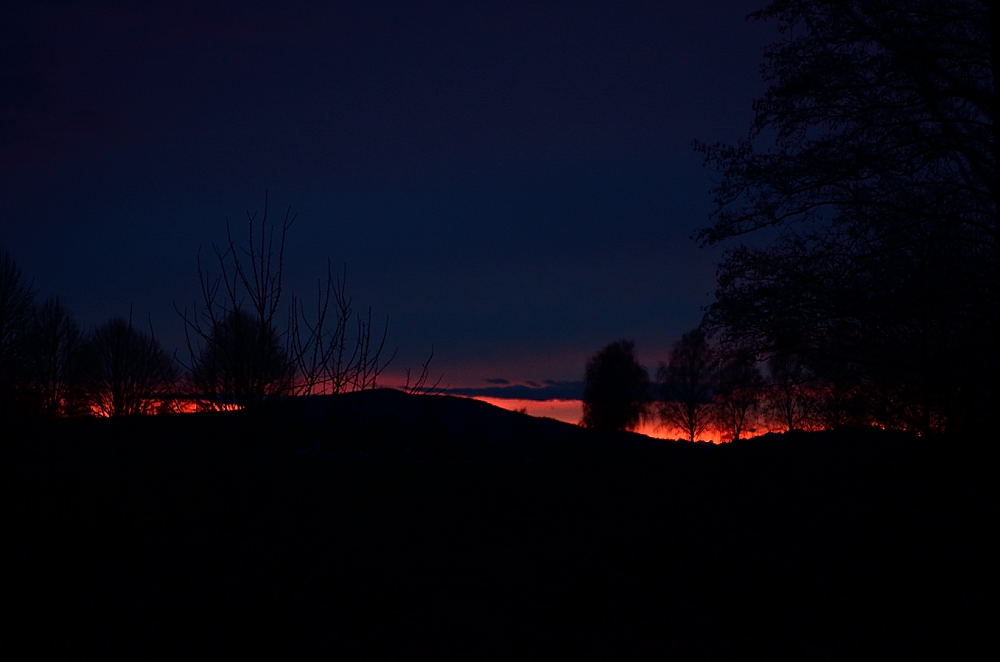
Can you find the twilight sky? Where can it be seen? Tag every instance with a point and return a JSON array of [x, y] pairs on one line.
[[511, 182]]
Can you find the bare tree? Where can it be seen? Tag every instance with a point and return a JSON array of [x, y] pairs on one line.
[[16, 304], [686, 384], [791, 390], [739, 387], [337, 350], [248, 342], [236, 352], [418, 383], [126, 372], [54, 350]]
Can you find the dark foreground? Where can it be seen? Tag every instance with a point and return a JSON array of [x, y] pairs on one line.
[[450, 532]]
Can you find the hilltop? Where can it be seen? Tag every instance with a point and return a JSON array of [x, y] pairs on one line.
[[382, 525]]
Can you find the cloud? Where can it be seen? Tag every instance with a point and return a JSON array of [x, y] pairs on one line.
[[499, 381], [552, 390]]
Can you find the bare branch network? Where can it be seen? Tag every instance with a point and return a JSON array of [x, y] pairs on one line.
[[245, 344]]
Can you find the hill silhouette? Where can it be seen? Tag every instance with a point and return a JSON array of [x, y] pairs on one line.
[[381, 524]]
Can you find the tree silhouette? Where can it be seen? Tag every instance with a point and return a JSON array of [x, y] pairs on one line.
[[54, 347], [242, 362], [16, 304], [872, 156], [739, 388], [125, 370], [249, 340], [686, 385], [616, 389], [791, 391], [39, 349]]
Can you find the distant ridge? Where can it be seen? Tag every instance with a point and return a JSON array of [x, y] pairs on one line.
[[391, 421], [427, 526], [383, 423], [393, 425]]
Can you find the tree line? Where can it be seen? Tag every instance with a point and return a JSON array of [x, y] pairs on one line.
[[706, 388], [49, 366], [860, 215], [248, 341], [860, 211]]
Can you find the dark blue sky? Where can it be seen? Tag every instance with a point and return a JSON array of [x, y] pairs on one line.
[[511, 182]]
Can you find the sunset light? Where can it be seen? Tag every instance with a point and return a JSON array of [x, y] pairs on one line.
[[571, 411], [621, 330]]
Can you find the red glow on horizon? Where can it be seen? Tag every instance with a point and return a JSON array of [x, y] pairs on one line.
[[170, 406], [571, 411], [566, 411]]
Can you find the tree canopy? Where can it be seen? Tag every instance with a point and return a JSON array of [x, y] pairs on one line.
[[870, 165], [615, 388]]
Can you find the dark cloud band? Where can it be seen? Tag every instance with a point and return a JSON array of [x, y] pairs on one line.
[[553, 390]]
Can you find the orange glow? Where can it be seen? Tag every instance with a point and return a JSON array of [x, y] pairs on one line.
[[568, 411], [571, 411], [170, 406]]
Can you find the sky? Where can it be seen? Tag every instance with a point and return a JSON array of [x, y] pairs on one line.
[[511, 183]]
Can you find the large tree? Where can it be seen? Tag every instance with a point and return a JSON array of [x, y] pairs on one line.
[[615, 388], [871, 167]]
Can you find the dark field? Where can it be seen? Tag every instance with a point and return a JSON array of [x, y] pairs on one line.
[[386, 525]]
